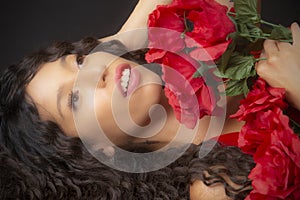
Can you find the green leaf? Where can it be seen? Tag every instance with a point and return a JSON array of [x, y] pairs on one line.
[[247, 19], [250, 31], [223, 61], [197, 74], [281, 33], [246, 11], [236, 87], [253, 72], [295, 126], [239, 67], [232, 18], [245, 87], [189, 25]]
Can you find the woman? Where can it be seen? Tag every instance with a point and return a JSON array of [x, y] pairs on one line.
[[39, 135], [55, 100], [41, 164]]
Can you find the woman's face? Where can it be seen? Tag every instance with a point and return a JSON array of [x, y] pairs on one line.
[[105, 87]]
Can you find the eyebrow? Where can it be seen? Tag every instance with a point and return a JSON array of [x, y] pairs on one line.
[[59, 99], [60, 90]]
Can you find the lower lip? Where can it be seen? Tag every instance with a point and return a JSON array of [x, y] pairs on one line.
[[133, 81]]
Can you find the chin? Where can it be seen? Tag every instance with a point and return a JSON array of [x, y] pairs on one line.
[[141, 102]]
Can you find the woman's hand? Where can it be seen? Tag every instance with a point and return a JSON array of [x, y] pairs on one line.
[[282, 66]]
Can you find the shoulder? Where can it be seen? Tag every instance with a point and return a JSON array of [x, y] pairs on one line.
[[199, 191]]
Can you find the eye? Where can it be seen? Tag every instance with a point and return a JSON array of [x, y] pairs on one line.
[[79, 60], [73, 100]]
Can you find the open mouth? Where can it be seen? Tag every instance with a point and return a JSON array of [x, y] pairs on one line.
[[127, 79]]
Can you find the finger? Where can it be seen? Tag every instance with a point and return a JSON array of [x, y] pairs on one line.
[[263, 54], [296, 34], [261, 67], [282, 46], [261, 62], [109, 151], [270, 47]]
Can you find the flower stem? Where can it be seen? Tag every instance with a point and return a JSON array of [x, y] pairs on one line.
[[182, 36], [258, 59], [253, 36], [268, 23], [265, 36], [231, 13]]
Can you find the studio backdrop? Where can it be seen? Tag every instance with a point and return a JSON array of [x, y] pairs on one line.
[[29, 25]]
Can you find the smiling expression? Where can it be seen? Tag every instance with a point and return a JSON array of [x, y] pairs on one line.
[[103, 86]]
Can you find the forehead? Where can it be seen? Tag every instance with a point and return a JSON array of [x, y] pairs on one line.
[[42, 88]]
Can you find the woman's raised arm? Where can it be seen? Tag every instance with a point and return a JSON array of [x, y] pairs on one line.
[[133, 34]]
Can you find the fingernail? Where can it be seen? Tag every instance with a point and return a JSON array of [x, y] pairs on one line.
[[295, 24], [109, 151]]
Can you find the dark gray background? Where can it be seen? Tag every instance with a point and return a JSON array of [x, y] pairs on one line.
[[29, 25]]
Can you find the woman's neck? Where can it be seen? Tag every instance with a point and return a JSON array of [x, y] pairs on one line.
[[173, 131]]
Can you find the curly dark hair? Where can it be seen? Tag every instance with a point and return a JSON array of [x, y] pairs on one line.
[[38, 161]]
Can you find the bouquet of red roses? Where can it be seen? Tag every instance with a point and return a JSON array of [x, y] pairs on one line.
[[199, 45], [183, 44], [275, 147]]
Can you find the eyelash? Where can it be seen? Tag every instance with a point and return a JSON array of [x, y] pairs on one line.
[[73, 98], [79, 60]]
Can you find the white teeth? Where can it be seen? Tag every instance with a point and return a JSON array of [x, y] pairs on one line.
[[125, 79], [126, 72]]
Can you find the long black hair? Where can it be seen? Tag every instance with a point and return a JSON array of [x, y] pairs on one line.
[[38, 161]]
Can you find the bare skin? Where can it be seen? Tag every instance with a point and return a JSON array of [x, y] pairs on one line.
[[282, 65], [43, 91]]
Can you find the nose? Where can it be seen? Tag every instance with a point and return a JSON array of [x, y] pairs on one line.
[[97, 66], [102, 79], [70, 66]]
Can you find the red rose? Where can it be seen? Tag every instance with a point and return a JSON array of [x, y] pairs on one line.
[[208, 28], [180, 35], [189, 97], [261, 97], [167, 35], [257, 196], [184, 113], [277, 171], [260, 126], [256, 54], [276, 149]]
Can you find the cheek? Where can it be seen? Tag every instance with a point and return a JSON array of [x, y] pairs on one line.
[[69, 127], [113, 118], [105, 117]]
